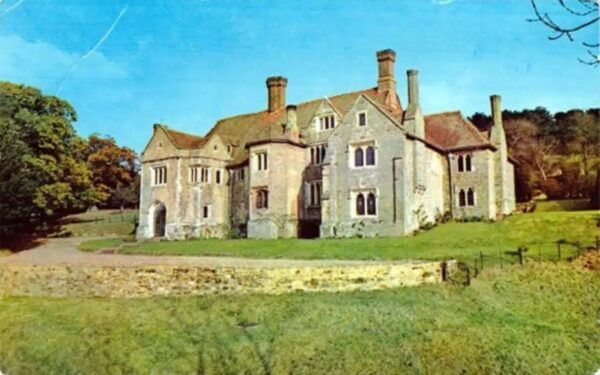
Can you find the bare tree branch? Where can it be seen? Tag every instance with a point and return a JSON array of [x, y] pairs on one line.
[[591, 6]]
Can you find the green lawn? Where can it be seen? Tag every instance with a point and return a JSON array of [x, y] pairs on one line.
[[464, 241], [562, 205], [99, 223], [538, 319]]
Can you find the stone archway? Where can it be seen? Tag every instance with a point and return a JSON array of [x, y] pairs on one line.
[[160, 220]]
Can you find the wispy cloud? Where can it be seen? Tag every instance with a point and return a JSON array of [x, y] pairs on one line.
[[92, 50], [12, 7], [442, 2]]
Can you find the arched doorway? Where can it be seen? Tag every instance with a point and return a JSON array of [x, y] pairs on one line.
[[160, 220]]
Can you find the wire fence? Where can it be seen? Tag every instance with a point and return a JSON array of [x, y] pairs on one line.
[[538, 252]]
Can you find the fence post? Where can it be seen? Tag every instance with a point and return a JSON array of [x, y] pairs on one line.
[[468, 275], [476, 269], [444, 271], [558, 249], [500, 257], [520, 252], [481, 259]]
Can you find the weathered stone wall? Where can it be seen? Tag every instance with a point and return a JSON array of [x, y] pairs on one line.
[[344, 180], [283, 181], [239, 190], [149, 281], [480, 179], [183, 199]]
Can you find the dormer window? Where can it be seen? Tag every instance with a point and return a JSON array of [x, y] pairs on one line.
[[326, 122]]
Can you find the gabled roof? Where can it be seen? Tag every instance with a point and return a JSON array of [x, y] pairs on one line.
[[182, 140], [446, 131], [254, 127], [451, 131]]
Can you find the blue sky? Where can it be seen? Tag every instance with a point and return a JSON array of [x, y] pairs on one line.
[[188, 63]]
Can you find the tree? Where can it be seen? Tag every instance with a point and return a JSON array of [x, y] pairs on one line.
[[582, 135], [114, 169], [584, 14], [125, 195], [43, 175]]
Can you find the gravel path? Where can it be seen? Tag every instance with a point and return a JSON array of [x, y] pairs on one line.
[[64, 251]]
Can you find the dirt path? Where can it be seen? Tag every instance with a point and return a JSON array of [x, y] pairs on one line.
[[64, 251]]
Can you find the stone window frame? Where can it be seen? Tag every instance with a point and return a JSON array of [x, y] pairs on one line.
[[238, 174], [315, 193], [219, 175], [354, 194], [465, 163], [325, 122], [206, 211], [261, 159], [358, 114], [261, 199], [463, 199], [200, 174], [317, 153], [158, 179], [363, 145]]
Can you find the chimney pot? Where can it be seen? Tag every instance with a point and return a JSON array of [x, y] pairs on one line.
[[276, 92], [413, 86]]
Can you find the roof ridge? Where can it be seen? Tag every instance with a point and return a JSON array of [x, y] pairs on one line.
[[336, 95], [179, 131], [445, 113]]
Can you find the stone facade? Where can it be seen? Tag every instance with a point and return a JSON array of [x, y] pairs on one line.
[[355, 164], [150, 281]]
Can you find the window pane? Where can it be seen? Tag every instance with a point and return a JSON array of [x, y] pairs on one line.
[[358, 157], [370, 156], [371, 207], [470, 197], [468, 162], [362, 119], [360, 205], [461, 198], [460, 164]]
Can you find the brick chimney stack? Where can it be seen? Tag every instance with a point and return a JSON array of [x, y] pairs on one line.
[[276, 92], [385, 62]]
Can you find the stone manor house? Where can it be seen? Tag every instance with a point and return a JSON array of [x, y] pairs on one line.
[[354, 164]]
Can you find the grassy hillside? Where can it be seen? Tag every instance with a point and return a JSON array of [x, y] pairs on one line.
[[537, 319], [538, 231]]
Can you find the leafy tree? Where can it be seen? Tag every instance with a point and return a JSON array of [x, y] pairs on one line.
[[43, 175], [114, 170]]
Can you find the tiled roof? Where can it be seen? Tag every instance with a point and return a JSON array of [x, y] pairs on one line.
[[447, 131], [243, 129], [451, 131], [183, 140]]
